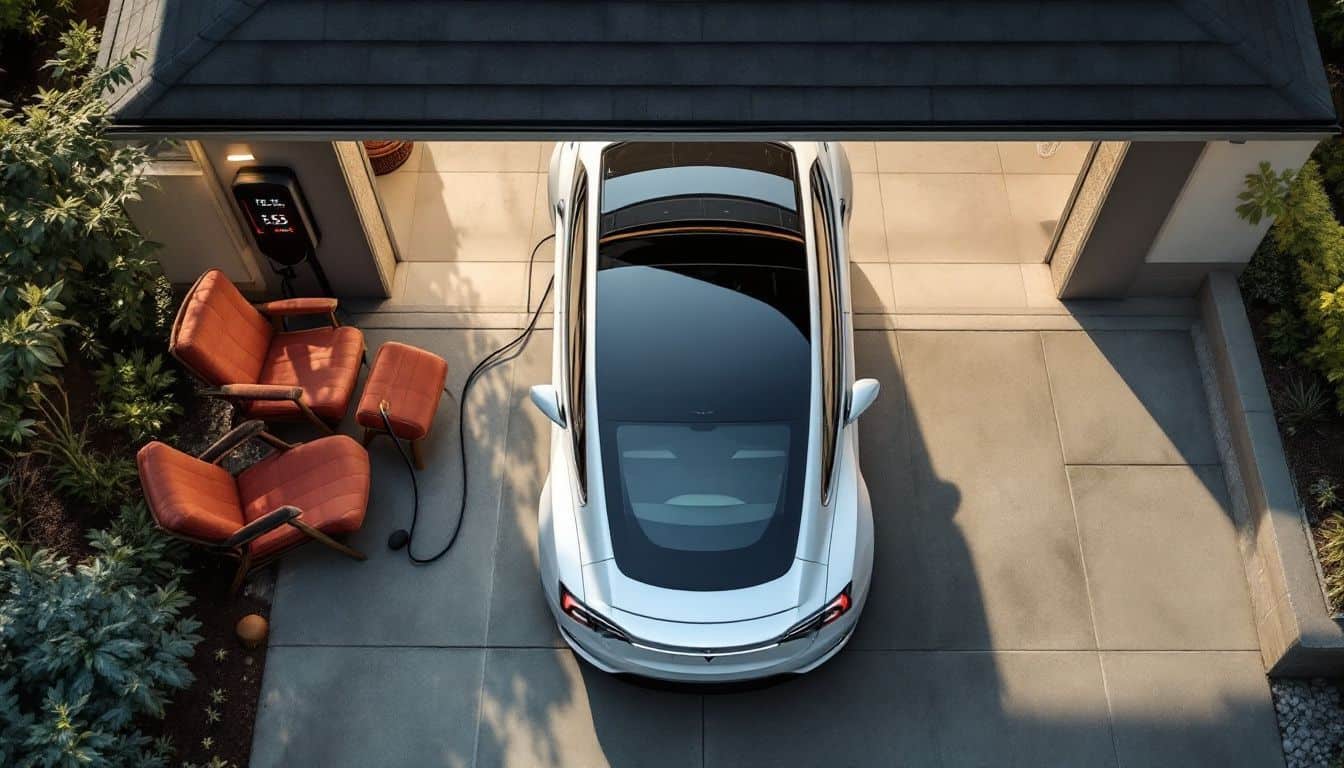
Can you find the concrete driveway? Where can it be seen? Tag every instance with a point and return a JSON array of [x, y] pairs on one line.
[[1057, 583]]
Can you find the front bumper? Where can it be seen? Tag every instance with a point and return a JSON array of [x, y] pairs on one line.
[[621, 657]]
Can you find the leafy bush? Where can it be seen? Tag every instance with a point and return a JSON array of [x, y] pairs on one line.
[[66, 184], [86, 650], [76, 468], [30, 16], [1324, 493], [1270, 277], [70, 258], [1287, 333], [31, 344], [137, 394], [1307, 232], [1301, 403]]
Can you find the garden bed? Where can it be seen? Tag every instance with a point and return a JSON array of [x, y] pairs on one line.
[[210, 722]]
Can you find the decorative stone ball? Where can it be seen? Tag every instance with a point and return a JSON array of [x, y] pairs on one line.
[[252, 630]]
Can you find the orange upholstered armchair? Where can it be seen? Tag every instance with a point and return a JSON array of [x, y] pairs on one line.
[[237, 349], [300, 493]]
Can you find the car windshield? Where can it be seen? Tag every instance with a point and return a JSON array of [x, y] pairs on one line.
[[703, 366]]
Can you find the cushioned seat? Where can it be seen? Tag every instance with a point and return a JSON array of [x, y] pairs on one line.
[[323, 362], [328, 479], [299, 493], [232, 345], [410, 380]]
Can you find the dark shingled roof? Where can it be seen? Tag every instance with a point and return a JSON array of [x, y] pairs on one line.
[[826, 65]]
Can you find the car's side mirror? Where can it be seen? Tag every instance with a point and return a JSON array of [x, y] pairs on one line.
[[861, 396], [547, 401]]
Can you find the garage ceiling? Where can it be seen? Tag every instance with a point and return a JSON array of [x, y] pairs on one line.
[[1107, 67]]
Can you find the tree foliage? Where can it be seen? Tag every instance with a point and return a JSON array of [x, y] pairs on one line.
[[71, 261], [1307, 232]]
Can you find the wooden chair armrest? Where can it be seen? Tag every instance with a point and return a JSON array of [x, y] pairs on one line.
[[263, 525], [300, 306], [230, 441], [257, 392], [283, 308]]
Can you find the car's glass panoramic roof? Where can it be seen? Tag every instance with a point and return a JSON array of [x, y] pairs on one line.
[[703, 364], [653, 183]]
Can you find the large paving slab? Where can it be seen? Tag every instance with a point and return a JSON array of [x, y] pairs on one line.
[[1162, 562], [327, 599], [518, 613], [997, 564], [1129, 398], [884, 456], [544, 707], [368, 706], [1194, 710], [920, 709]]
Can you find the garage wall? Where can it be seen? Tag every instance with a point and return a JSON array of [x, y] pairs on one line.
[[353, 265], [1142, 185], [187, 213]]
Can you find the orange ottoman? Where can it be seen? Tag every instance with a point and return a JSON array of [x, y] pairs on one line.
[[411, 381]]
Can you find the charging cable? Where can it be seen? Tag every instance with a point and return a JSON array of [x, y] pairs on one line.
[[402, 536]]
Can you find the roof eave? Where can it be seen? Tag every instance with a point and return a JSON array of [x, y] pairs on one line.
[[1233, 130]]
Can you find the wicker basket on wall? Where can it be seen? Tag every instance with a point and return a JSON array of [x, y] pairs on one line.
[[388, 156]]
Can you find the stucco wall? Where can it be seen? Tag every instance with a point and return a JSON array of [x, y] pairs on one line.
[[1203, 225], [187, 213], [1169, 219]]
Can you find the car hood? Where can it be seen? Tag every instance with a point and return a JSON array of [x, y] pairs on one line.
[[799, 591]]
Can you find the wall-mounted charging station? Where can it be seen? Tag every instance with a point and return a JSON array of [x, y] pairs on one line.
[[282, 225]]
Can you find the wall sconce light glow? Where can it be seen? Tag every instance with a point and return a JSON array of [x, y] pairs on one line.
[[241, 157]]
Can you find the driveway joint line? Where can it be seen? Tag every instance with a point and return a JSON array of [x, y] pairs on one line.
[[1082, 556]]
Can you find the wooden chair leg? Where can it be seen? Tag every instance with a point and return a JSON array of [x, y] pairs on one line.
[[417, 453], [308, 413], [325, 539], [244, 565]]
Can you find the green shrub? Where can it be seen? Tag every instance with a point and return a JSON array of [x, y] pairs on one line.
[[66, 183], [1270, 277], [70, 259], [1301, 403], [1329, 155], [30, 16], [87, 651], [31, 332], [1287, 333], [76, 468], [1306, 231], [137, 394], [1324, 493]]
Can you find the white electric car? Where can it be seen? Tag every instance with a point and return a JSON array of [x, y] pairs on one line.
[[704, 519]]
